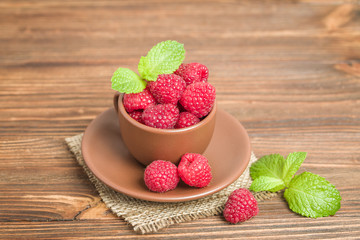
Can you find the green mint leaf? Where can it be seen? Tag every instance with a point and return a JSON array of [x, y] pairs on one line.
[[126, 81], [269, 165], [312, 196], [163, 58], [292, 165], [264, 183], [270, 168]]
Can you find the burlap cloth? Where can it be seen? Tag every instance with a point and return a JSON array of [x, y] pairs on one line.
[[146, 216]]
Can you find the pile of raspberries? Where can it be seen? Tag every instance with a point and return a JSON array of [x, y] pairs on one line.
[[194, 170], [179, 100], [176, 100]]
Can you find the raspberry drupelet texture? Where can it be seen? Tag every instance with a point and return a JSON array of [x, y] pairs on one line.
[[240, 206], [186, 119], [168, 88], [161, 176], [138, 101], [137, 115], [193, 72], [194, 170], [198, 98], [161, 116]]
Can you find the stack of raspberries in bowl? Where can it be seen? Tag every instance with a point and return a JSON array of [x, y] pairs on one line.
[[170, 94], [176, 100]]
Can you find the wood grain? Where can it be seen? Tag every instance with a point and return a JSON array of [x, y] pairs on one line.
[[289, 71]]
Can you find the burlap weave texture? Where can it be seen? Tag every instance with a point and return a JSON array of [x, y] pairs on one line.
[[146, 216]]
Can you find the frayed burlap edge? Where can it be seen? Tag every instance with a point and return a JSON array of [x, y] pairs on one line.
[[145, 216]]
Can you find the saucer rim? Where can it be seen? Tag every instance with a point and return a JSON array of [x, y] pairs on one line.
[[156, 197]]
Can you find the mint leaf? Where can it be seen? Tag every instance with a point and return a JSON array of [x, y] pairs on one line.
[[165, 57], [126, 81], [312, 196], [269, 165], [307, 194], [270, 168], [264, 183], [292, 165]]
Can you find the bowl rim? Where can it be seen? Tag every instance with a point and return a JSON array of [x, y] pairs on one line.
[[204, 121]]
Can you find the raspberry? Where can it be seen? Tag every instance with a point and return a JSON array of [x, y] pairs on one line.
[[136, 115], [186, 119], [161, 176], [138, 101], [193, 72], [161, 116], [240, 206], [194, 170], [167, 88], [198, 98]]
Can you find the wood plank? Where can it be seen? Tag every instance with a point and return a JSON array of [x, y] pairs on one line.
[[287, 70], [210, 228], [49, 185]]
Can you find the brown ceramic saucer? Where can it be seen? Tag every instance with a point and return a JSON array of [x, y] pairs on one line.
[[107, 157]]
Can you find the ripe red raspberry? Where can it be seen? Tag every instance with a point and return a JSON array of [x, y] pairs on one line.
[[193, 72], [137, 101], [167, 88], [137, 115], [240, 206], [161, 176], [198, 98], [161, 116], [194, 170], [186, 119]]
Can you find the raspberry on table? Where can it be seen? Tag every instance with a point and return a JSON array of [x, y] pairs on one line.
[[168, 88], [240, 206], [186, 119], [138, 101], [137, 115], [198, 98], [193, 72], [161, 116], [161, 176], [194, 170]]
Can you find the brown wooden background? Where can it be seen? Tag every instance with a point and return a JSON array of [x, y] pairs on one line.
[[288, 70]]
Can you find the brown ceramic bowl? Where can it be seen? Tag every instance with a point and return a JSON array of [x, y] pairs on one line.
[[148, 144]]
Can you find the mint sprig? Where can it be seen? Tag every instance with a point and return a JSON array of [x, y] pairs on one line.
[[164, 58], [277, 170], [312, 196], [266, 172], [307, 194], [265, 183], [126, 81], [292, 164]]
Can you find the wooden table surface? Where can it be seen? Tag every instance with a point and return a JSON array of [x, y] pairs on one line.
[[289, 71]]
